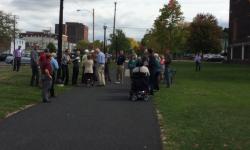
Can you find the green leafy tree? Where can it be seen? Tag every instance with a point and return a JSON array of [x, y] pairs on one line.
[[119, 41], [51, 47], [167, 29], [150, 41], [96, 44], [6, 29], [82, 45], [205, 34]]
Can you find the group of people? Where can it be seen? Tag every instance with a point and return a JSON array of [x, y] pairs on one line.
[[95, 67], [93, 64], [44, 68]]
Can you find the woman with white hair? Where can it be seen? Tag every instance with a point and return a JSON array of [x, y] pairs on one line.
[[84, 58]]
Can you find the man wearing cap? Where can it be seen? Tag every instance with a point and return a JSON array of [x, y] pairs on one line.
[[100, 66]]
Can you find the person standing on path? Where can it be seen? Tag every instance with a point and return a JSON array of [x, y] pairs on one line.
[[34, 63], [197, 60], [152, 69], [55, 67], [46, 77], [76, 64], [120, 67], [100, 66], [17, 58], [167, 73], [107, 63], [88, 72], [65, 67], [84, 58]]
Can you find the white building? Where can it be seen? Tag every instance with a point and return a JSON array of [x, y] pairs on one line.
[[42, 39], [18, 42]]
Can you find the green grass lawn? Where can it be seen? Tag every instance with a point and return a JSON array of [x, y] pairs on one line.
[[208, 109], [15, 92]]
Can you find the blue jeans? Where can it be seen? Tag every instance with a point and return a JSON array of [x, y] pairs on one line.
[[167, 75]]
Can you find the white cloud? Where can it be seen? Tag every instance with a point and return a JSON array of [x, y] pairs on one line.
[[37, 15]]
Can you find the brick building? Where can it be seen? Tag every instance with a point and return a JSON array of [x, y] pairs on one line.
[[239, 31], [75, 31]]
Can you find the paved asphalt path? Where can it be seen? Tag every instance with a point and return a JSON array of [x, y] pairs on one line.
[[99, 118]]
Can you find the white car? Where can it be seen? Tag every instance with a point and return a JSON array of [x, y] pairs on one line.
[[213, 57], [24, 60]]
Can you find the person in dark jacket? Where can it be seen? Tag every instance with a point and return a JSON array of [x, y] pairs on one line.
[[152, 66], [76, 64], [120, 67]]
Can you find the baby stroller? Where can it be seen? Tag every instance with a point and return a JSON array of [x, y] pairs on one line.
[[139, 86]]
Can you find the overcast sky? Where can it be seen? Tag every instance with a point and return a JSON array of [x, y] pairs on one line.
[[135, 15]]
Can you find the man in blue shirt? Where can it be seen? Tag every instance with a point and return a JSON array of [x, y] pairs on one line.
[[100, 66]]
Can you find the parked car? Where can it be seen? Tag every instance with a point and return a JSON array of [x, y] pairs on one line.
[[213, 57], [24, 60], [3, 56]]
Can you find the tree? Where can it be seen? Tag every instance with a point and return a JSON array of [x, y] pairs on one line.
[[119, 41], [6, 29], [134, 45], [150, 41], [51, 47], [166, 27], [82, 45], [96, 44], [205, 34], [169, 30]]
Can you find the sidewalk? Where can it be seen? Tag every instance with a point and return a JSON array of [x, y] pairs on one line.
[[99, 118]]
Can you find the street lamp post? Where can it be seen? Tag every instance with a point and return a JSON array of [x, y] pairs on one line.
[[104, 40], [59, 51], [93, 24], [114, 32]]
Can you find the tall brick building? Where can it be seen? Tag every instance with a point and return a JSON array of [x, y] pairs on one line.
[[75, 31], [239, 31]]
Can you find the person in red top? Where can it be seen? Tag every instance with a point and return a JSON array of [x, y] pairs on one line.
[[46, 73]]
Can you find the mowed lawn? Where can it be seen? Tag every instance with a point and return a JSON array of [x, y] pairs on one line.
[[15, 90], [208, 110]]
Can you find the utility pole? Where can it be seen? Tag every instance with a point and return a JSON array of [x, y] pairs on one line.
[[114, 36], [93, 25], [49, 34], [104, 41], [14, 34], [59, 51]]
